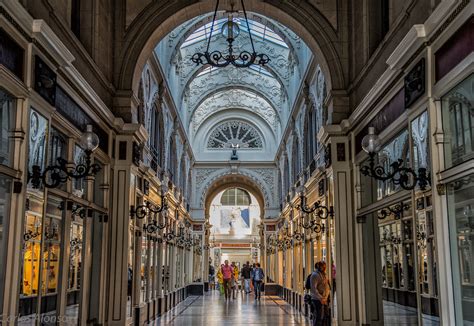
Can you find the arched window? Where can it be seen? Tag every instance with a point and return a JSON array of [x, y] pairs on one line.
[[156, 137], [286, 177], [309, 136], [172, 168], [234, 133], [235, 197], [295, 157]]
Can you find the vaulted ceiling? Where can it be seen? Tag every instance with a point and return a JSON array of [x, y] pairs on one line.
[[255, 98]]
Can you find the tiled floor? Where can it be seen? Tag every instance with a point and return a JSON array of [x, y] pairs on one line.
[[211, 309]]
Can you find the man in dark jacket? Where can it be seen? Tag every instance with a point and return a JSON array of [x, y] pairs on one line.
[[246, 276]]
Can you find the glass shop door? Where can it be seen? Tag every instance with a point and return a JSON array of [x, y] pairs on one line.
[[41, 262]]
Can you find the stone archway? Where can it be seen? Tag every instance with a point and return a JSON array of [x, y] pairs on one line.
[[159, 18], [229, 181]]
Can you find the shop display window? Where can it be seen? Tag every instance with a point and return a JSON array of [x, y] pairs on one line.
[[38, 134], [461, 227], [421, 148], [57, 149], [396, 149], [5, 200], [6, 125], [458, 123], [79, 185]]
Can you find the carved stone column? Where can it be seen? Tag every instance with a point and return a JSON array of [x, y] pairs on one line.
[[119, 222], [340, 195]]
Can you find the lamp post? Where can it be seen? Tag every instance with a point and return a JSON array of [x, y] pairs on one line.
[[406, 177], [54, 175]]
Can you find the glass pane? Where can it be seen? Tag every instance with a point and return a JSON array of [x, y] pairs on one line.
[[98, 185], [5, 200], [458, 123], [399, 299], [57, 149], [37, 140], [419, 134], [76, 240], [79, 185], [391, 152], [52, 227], [6, 126], [32, 234], [461, 221]]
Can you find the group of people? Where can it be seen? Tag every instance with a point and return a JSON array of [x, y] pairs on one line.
[[228, 276], [319, 288]]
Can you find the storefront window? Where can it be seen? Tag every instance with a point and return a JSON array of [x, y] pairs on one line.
[[57, 149], [37, 140], [5, 200], [6, 126], [396, 149], [419, 134], [458, 123], [79, 185], [461, 222], [76, 237]]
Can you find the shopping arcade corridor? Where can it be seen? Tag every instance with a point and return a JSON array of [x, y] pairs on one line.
[[211, 309]]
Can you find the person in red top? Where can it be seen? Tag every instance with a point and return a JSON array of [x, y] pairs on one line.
[[228, 274]]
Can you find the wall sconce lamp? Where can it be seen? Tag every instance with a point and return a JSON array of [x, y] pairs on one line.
[[54, 175], [319, 210], [407, 178]]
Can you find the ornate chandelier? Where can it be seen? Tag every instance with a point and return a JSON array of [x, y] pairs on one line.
[[230, 30]]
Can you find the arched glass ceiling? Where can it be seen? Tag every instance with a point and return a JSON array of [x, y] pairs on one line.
[[257, 29], [253, 67], [205, 95]]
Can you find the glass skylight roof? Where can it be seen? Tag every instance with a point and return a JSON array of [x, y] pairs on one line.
[[257, 29], [254, 67]]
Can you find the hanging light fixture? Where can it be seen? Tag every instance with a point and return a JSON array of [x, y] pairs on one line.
[[230, 30], [407, 178]]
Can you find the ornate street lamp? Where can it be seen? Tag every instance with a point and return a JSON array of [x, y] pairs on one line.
[[407, 178], [148, 209], [54, 175], [317, 209], [396, 210], [230, 30]]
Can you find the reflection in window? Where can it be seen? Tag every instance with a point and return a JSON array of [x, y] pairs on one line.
[[458, 123], [5, 199], [57, 149], [6, 126], [461, 220], [419, 133], [396, 149], [79, 185], [37, 140]]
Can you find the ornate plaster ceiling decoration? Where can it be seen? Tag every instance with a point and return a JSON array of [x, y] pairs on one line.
[[205, 95], [209, 81], [235, 99]]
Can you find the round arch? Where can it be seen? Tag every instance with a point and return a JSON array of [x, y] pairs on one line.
[[230, 181], [161, 17]]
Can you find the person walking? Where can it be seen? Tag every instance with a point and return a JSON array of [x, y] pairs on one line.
[[235, 279], [246, 277], [211, 276], [227, 275], [252, 282], [258, 276], [320, 291], [220, 280]]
